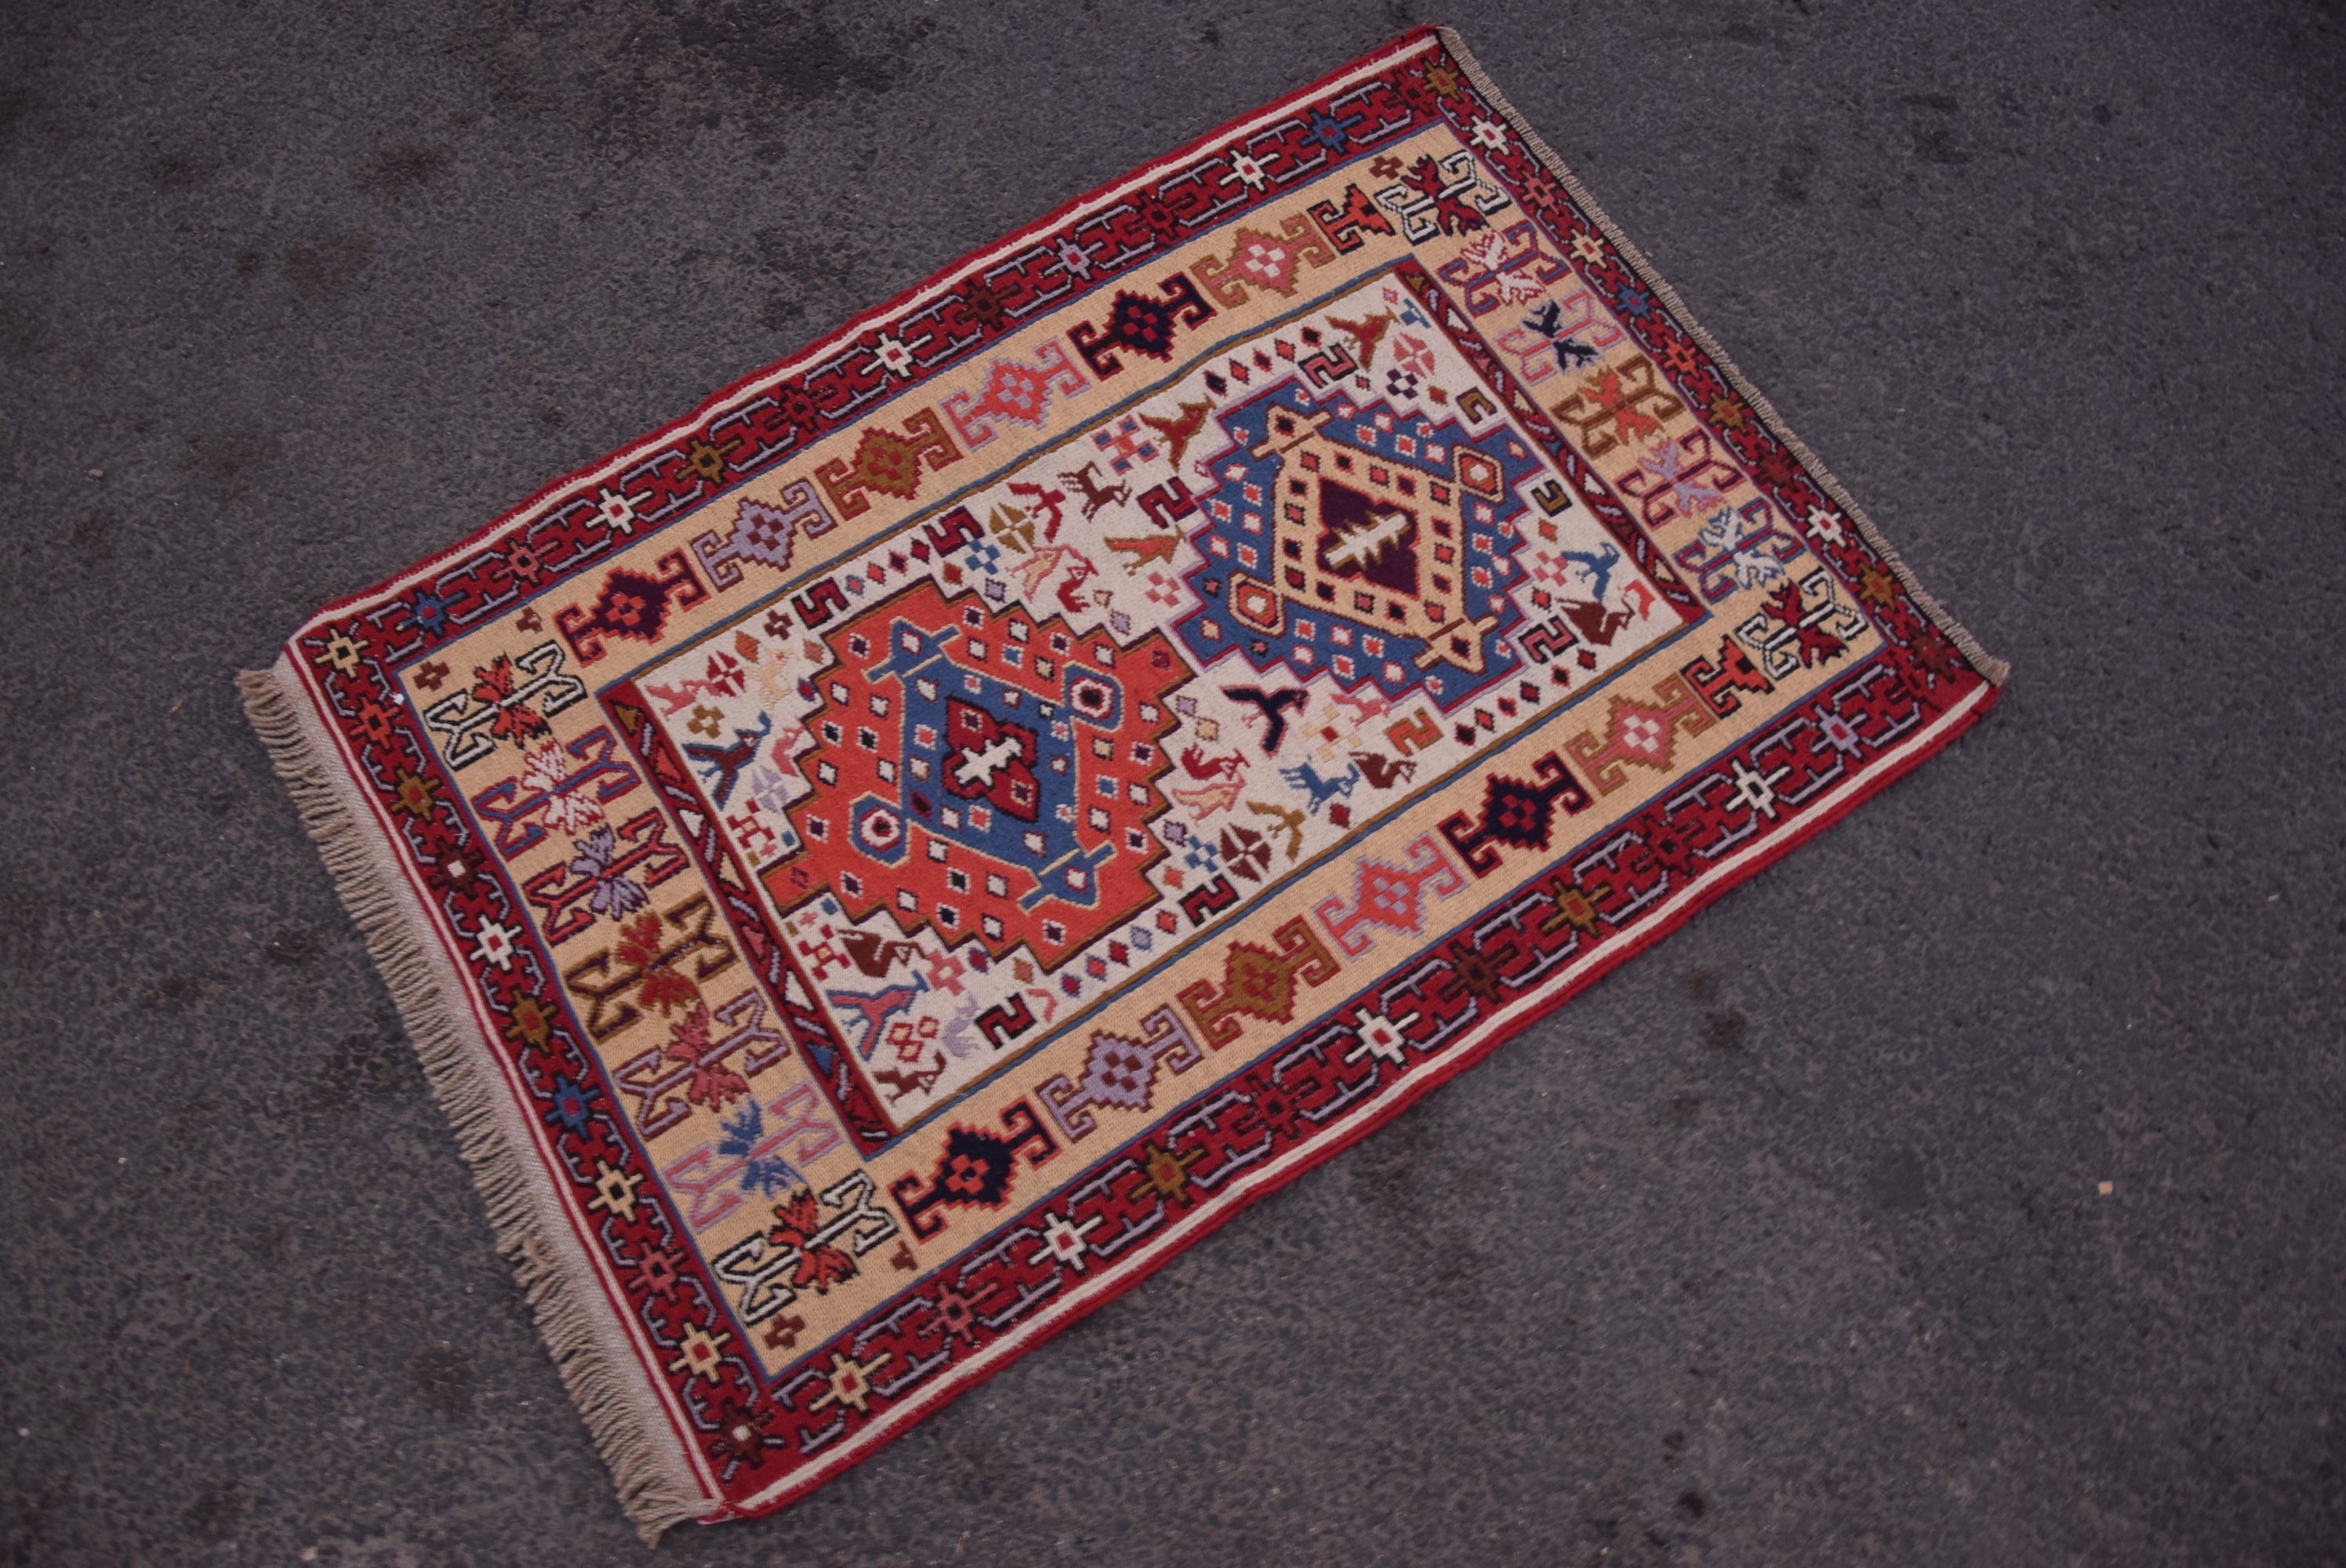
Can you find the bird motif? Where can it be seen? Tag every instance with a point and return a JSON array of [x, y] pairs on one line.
[[744, 1133], [1037, 567], [873, 1009], [1293, 822], [875, 956], [1364, 708], [1273, 707], [725, 763], [1599, 564], [1203, 801], [1047, 503], [1366, 333], [1178, 433], [1154, 547], [1547, 320], [1077, 574]]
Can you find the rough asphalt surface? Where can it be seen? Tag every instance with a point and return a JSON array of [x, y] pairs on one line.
[[1787, 1243]]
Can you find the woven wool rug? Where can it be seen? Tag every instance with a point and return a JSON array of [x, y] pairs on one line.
[[880, 866]]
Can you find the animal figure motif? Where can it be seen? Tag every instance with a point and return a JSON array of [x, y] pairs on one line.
[[1367, 334], [1381, 771], [961, 1036], [1322, 790], [1096, 495], [875, 956], [1547, 320], [1595, 622], [1198, 764], [1177, 433], [725, 763], [1364, 708], [1203, 801], [1273, 706], [1156, 547], [673, 697], [903, 1084]]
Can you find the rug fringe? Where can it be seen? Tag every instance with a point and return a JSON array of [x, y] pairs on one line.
[[631, 1431], [1996, 670]]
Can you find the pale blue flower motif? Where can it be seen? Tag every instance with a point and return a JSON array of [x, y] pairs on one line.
[[616, 894]]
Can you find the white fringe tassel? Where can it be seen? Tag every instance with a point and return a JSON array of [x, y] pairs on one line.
[[656, 1483]]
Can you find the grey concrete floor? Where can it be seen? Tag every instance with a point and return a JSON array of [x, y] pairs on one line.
[[1785, 1244]]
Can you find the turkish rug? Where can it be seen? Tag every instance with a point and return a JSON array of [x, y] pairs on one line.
[[880, 866]]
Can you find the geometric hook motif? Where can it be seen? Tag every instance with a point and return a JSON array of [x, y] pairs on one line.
[[1641, 732], [888, 462], [1140, 323], [1260, 984], [1268, 262], [632, 604], [1514, 813], [762, 532], [1391, 896], [1120, 1073], [976, 1169], [1014, 390]]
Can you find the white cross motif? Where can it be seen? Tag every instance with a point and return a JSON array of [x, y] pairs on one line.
[[1383, 1039], [1642, 732], [1755, 789], [976, 769]]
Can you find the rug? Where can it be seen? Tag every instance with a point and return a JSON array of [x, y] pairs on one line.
[[881, 865]]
